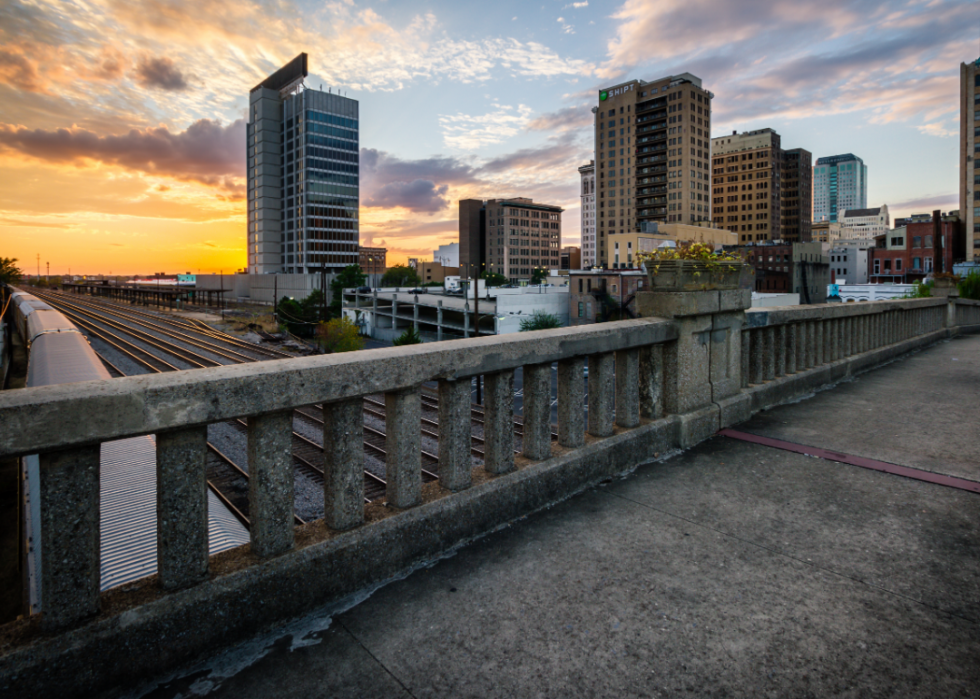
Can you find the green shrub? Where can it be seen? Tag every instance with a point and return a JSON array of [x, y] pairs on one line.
[[409, 337], [540, 320], [969, 286]]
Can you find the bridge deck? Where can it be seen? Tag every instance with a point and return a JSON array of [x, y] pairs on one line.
[[733, 569]]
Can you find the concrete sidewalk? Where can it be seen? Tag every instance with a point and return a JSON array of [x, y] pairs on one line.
[[730, 570]]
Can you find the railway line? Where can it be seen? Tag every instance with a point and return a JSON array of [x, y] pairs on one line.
[[158, 344]]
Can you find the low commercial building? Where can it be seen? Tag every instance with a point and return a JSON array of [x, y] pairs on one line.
[[825, 231], [622, 248], [799, 268], [907, 254], [849, 264], [430, 272], [596, 296], [372, 260], [571, 257]]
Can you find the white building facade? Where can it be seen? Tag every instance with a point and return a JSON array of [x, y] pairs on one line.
[[587, 173], [864, 224], [447, 255]]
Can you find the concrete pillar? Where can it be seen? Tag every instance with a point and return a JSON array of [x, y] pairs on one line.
[[746, 357], [415, 314], [394, 311], [571, 402], [270, 483], [70, 575], [343, 464], [182, 507], [651, 381], [758, 349], [466, 319], [818, 343], [537, 411], [403, 462], [792, 341], [602, 394], [498, 427], [627, 388], [769, 353], [781, 341], [455, 466], [439, 321]]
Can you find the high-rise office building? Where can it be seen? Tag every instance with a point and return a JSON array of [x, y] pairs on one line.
[[472, 235], [970, 157], [587, 175], [747, 176], [839, 182], [511, 237], [797, 190], [653, 155], [302, 150]]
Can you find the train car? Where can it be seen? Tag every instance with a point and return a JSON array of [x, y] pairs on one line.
[[58, 353]]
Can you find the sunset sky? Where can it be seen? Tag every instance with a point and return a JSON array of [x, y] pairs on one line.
[[122, 133]]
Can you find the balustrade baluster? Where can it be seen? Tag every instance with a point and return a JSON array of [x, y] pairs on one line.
[[627, 388], [602, 397], [758, 356], [779, 355], [343, 463], [270, 483], [403, 461], [182, 506], [820, 356], [571, 400], [746, 357], [651, 381], [769, 353], [455, 466], [70, 576], [498, 428], [536, 442]]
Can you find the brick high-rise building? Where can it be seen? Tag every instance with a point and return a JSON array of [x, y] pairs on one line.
[[302, 157], [797, 195], [653, 155], [747, 175], [587, 175], [516, 235], [970, 157]]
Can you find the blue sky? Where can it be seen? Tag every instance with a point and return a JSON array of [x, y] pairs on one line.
[[133, 109]]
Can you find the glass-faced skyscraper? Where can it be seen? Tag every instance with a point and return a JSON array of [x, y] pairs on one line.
[[302, 155], [839, 182]]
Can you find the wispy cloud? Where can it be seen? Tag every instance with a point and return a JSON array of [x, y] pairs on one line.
[[470, 132]]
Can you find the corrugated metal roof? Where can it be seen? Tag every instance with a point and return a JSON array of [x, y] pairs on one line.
[[129, 514]]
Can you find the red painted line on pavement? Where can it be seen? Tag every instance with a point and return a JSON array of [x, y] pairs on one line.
[[915, 473]]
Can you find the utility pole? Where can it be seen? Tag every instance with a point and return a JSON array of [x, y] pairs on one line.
[[39, 266], [47, 271]]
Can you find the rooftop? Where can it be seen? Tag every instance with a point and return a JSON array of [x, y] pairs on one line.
[[736, 568]]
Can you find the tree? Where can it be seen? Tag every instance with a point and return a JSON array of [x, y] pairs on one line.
[[300, 317], [409, 337], [494, 279], [351, 277], [9, 272], [540, 320], [400, 275], [539, 275], [969, 286], [339, 335]]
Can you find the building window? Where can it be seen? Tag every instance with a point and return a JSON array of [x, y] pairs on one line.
[[581, 306], [917, 241], [877, 266], [898, 264]]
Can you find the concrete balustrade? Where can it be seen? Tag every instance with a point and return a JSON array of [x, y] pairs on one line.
[[693, 363]]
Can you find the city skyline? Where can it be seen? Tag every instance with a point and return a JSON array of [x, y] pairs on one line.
[[127, 155]]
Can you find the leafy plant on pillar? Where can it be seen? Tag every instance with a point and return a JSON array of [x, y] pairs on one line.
[[969, 286]]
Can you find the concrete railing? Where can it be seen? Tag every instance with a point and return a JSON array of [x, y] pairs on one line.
[[781, 341], [694, 363]]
